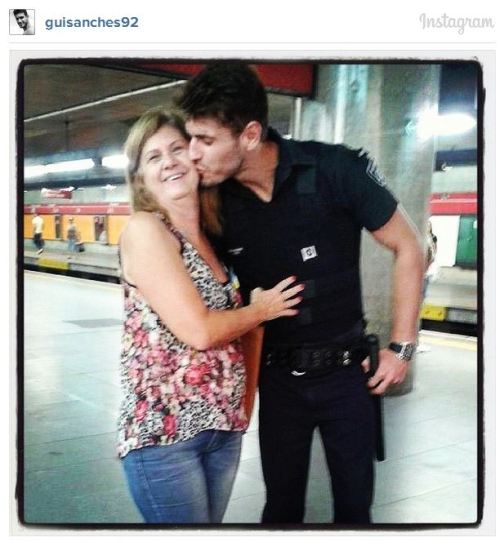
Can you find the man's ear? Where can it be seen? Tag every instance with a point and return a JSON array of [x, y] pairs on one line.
[[251, 135]]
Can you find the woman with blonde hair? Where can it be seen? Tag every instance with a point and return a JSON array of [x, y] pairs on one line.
[[182, 369]]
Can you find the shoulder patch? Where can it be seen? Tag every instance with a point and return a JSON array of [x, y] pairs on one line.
[[371, 169]]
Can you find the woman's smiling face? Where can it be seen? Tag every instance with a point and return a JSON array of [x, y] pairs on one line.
[[167, 171]]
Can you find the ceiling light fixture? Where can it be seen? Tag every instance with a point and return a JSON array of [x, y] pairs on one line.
[[70, 165], [115, 161], [430, 124]]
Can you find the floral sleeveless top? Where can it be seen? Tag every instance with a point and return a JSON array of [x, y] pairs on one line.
[[171, 390]]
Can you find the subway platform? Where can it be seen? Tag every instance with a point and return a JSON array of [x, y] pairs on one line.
[[450, 303], [71, 476]]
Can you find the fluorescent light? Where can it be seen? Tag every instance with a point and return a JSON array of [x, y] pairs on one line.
[[430, 124], [70, 165], [34, 171], [115, 161], [455, 123]]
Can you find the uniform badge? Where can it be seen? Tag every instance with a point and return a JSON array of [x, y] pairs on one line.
[[308, 253]]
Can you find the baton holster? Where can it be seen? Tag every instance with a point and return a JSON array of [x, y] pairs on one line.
[[373, 347]]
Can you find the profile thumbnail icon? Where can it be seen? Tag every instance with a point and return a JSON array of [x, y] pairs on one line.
[[22, 22]]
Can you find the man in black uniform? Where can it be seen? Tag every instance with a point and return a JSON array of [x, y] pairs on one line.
[[298, 208]]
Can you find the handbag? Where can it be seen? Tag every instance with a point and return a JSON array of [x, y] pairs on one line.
[[251, 343], [80, 247]]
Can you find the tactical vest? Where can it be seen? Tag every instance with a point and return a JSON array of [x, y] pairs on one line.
[[304, 231]]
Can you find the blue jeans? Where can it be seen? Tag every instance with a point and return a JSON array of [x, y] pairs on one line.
[[72, 245], [186, 482]]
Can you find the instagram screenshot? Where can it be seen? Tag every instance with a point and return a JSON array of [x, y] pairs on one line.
[[251, 249]]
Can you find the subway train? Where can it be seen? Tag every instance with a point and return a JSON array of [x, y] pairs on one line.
[[451, 303], [454, 222], [453, 217], [96, 223]]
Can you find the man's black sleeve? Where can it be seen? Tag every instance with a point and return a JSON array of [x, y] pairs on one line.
[[363, 188]]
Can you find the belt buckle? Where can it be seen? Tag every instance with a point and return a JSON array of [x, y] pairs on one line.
[[303, 356]]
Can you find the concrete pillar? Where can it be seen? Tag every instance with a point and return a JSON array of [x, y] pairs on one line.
[[376, 107]]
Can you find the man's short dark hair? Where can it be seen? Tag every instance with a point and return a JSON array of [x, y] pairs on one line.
[[19, 11], [230, 92]]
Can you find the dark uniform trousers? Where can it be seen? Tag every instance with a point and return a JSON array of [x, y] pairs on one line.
[[290, 409]]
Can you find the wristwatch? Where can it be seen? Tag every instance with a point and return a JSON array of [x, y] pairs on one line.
[[404, 351]]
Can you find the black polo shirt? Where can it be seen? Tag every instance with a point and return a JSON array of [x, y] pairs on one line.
[[323, 196]]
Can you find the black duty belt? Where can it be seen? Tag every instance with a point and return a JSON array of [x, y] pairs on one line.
[[311, 359]]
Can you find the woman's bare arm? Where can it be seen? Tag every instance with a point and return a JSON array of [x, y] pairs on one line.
[[152, 262]]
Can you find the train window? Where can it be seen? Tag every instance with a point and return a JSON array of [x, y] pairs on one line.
[[101, 229], [57, 226]]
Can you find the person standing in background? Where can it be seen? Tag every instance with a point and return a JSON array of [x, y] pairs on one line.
[[430, 272], [37, 223], [431, 250], [72, 235]]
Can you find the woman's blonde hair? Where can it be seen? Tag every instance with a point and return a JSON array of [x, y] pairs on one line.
[[141, 198]]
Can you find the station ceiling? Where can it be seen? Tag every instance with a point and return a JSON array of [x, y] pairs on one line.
[[73, 107], [89, 105]]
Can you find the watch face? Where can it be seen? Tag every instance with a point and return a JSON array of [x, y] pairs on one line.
[[404, 351], [407, 351]]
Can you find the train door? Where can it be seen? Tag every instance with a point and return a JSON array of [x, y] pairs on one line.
[[467, 242]]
